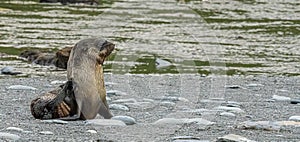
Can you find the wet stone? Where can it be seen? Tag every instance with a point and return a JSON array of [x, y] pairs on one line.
[[118, 107], [21, 87], [295, 118], [126, 119], [92, 131], [16, 129], [228, 114], [233, 138], [46, 133], [8, 136]]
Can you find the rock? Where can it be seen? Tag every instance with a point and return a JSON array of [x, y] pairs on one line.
[[108, 98], [118, 107], [233, 138], [57, 121], [111, 93], [130, 100], [92, 131], [21, 87], [229, 114], [126, 119], [140, 105], [173, 121], [9, 70], [46, 133], [148, 100], [233, 104], [9, 136], [160, 63], [295, 101], [55, 82], [15, 129], [294, 118], [105, 122], [109, 83], [280, 98], [230, 109]]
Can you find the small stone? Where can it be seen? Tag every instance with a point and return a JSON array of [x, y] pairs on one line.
[[199, 121], [229, 114], [126, 119], [9, 70], [140, 105], [118, 107], [281, 98], [148, 100], [15, 129], [230, 109], [92, 131], [46, 133], [233, 86], [160, 63], [55, 82], [294, 118], [233, 138], [105, 122], [57, 121], [260, 125], [21, 87], [233, 104], [108, 98], [9, 136], [131, 100], [173, 99], [295, 101]]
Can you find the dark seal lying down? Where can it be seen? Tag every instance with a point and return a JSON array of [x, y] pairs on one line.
[[83, 96]]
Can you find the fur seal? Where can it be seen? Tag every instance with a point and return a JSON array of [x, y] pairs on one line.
[[83, 96], [59, 59]]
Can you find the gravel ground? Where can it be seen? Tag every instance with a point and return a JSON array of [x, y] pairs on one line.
[[253, 94]]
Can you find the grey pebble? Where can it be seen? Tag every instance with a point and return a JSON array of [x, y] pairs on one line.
[[255, 85], [15, 129], [9, 70], [160, 63], [46, 133], [9, 136], [118, 107], [55, 82], [21, 87], [233, 104], [126, 119], [295, 118], [233, 138], [105, 122], [140, 105], [173, 99]]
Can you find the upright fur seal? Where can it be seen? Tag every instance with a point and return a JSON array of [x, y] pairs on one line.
[[84, 94]]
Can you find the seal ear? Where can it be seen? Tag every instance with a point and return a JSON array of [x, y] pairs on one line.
[[105, 51]]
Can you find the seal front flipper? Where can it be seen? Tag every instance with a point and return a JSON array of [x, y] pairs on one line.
[[62, 94]]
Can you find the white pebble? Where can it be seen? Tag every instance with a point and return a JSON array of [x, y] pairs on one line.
[[92, 131], [21, 87], [15, 129]]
